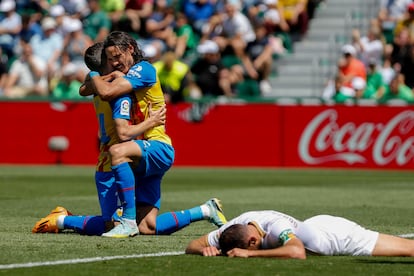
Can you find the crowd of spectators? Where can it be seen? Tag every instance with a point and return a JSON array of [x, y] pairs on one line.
[[379, 64], [200, 47]]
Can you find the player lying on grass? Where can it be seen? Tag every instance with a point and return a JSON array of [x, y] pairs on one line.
[[277, 235]]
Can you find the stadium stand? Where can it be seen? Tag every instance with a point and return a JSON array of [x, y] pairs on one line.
[[303, 73]]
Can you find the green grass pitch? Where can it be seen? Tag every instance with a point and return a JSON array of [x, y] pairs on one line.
[[379, 200]]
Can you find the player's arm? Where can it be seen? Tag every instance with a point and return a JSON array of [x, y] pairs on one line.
[[293, 249], [201, 246], [128, 132], [109, 90], [87, 88]]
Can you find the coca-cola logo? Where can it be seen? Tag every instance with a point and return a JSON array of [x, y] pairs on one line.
[[324, 140]]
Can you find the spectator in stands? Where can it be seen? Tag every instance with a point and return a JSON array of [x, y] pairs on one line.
[[161, 25], [73, 8], [48, 46], [396, 90], [296, 16], [260, 51], [268, 13], [96, 24], [175, 77], [186, 38], [68, 85], [210, 75], [401, 47], [232, 31], [198, 13], [30, 27], [10, 26], [375, 81], [406, 22], [369, 47], [386, 70], [358, 86], [390, 12], [134, 20], [61, 18], [76, 43], [350, 66], [27, 75], [337, 94], [113, 8], [151, 52], [407, 67]]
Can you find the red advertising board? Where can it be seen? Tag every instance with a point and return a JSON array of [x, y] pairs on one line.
[[349, 136], [234, 135]]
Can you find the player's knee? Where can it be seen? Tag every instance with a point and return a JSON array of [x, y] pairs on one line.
[[146, 229], [116, 151]]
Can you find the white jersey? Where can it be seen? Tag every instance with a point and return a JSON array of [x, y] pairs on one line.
[[323, 234]]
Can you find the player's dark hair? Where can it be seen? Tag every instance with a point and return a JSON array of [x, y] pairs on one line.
[[93, 57], [233, 237], [123, 40]]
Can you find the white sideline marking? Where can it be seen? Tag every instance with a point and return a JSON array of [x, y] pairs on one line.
[[409, 235], [91, 260]]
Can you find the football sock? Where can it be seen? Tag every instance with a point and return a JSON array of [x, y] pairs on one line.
[[125, 181], [108, 198], [168, 223], [85, 225], [196, 213]]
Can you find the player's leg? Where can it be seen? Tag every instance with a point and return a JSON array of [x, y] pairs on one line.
[[388, 245], [125, 181], [60, 218], [148, 191], [107, 195]]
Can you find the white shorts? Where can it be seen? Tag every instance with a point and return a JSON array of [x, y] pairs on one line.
[[339, 236]]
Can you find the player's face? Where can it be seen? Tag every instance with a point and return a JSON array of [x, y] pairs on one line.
[[118, 59]]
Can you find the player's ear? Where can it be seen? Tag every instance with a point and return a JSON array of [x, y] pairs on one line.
[[253, 243]]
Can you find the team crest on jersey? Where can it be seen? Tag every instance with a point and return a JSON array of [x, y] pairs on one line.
[[124, 108], [286, 236]]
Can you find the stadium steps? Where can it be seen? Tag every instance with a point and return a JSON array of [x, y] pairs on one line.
[[305, 72]]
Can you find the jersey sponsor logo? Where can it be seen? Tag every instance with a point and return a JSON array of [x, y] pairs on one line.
[[286, 236], [125, 106]]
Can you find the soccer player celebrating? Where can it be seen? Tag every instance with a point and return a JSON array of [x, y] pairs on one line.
[[118, 111]]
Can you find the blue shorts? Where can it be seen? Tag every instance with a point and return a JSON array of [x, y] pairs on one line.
[[157, 159]]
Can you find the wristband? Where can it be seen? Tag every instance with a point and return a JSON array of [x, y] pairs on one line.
[[93, 74]]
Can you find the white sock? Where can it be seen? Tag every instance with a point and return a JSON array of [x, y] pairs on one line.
[[60, 222], [205, 210]]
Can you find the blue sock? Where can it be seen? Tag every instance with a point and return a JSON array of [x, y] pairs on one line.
[[85, 225], [168, 223], [196, 213], [107, 194], [125, 182]]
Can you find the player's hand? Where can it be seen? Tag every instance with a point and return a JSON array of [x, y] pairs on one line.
[[159, 116], [113, 75], [211, 251], [237, 252]]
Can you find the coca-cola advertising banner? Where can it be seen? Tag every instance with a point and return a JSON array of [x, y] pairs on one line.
[[349, 136], [226, 135]]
